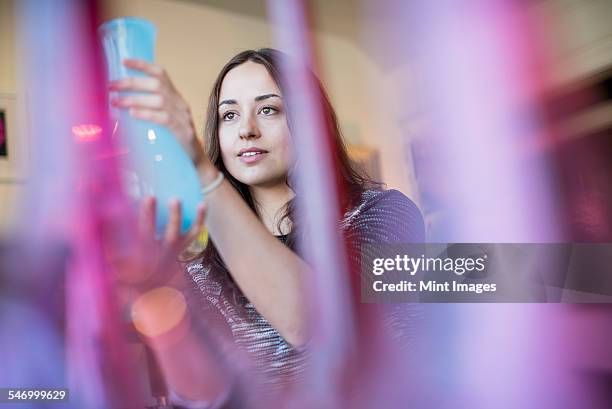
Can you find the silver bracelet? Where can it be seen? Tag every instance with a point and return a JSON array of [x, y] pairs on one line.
[[215, 184]]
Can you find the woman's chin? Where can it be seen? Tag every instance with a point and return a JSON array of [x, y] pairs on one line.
[[262, 179]]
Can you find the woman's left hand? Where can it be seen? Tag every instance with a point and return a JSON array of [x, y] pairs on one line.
[[149, 261], [154, 98]]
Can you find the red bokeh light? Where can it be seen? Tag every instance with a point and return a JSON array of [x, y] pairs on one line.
[[86, 132]]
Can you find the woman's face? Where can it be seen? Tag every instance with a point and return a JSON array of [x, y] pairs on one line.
[[253, 131]]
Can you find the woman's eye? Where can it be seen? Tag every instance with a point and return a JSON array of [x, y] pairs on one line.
[[268, 110], [228, 116]]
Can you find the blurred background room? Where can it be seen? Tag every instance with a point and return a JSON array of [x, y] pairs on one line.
[[494, 117]]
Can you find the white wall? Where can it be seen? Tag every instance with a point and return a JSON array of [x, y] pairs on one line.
[[10, 189], [7, 47]]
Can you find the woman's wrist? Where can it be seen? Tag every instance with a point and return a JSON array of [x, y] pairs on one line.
[[207, 172], [198, 153]]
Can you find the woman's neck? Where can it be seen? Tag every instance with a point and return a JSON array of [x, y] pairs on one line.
[[269, 201]]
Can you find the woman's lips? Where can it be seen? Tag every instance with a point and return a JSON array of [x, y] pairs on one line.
[[252, 156]]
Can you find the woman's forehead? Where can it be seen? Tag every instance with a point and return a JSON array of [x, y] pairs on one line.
[[247, 81]]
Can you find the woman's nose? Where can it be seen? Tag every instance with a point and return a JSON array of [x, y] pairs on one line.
[[248, 129]]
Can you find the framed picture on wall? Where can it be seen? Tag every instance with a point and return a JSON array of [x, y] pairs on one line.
[[3, 147], [13, 143]]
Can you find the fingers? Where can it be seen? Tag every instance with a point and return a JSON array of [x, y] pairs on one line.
[[152, 259], [136, 84], [172, 234], [197, 225], [178, 122], [146, 218], [146, 101], [173, 229], [144, 66], [173, 237], [156, 100], [156, 78], [137, 266], [153, 115]]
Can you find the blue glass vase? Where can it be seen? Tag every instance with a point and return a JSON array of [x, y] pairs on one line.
[[156, 164]]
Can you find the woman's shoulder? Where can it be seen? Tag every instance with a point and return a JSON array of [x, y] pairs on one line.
[[383, 201], [387, 197], [388, 212]]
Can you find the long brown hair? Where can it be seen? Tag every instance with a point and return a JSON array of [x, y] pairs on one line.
[[350, 182]]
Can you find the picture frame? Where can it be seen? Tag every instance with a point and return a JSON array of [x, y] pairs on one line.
[[3, 135], [14, 144]]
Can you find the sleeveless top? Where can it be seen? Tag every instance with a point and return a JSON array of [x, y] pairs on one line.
[[383, 216]]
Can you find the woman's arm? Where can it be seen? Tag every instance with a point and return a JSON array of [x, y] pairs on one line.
[[194, 374], [268, 272], [151, 282]]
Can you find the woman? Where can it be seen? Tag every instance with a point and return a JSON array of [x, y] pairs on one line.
[[251, 276]]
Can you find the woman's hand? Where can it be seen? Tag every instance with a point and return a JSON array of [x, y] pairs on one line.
[[150, 288], [151, 262], [157, 100]]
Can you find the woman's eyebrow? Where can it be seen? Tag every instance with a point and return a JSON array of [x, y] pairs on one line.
[[228, 102], [266, 96], [257, 99]]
